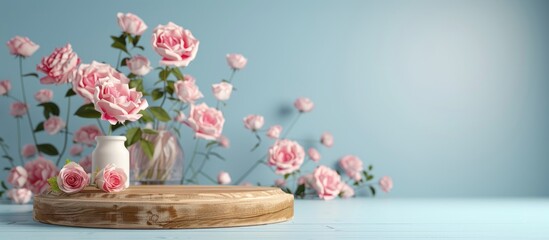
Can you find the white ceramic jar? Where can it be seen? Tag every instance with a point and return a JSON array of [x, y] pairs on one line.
[[111, 150]]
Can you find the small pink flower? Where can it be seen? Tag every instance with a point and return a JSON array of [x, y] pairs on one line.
[[177, 46], [72, 178], [306, 180], [76, 150], [28, 150], [18, 109], [39, 171], [5, 87], [139, 65], [186, 90], [286, 155], [280, 182], [18, 177], [131, 23], [304, 104], [223, 178], [86, 163], [19, 195], [180, 117], [43, 95], [327, 139], [86, 134], [274, 132], [386, 183], [95, 74], [326, 182], [352, 165], [254, 122], [22, 46], [236, 61], [222, 91], [118, 103], [314, 154], [53, 125], [60, 66], [346, 191], [111, 179], [206, 122], [224, 142], [246, 184]]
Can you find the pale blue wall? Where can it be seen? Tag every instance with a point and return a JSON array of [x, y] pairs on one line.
[[448, 97]]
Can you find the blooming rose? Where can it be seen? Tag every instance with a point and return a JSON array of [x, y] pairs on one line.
[[5, 87], [223, 178], [286, 155], [224, 142], [326, 182], [236, 61], [222, 91], [254, 122], [28, 150], [95, 74], [306, 180], [206, 122], [60, 66], [386, 183], [352, 165], [39, 171], [43, 95], [86, 163], [18, 177], [304, 104], [53, 125], [18, 109], [346, 191], [176, 45], [280, 182], [22, 46], [139, 65], [20, 195], [76, 150], [274, 132], [130, 23], [87, 134], [72, 178], [118, 103], [314, 154], [187, 91], [327, 139], [111, 179]]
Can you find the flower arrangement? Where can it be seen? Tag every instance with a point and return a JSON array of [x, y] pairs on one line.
[[151, 118]]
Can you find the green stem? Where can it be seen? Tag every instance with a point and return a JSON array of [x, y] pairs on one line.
[[14, 98], [163, 100], [291, 125], [66, 132], [208, 177], [25, 101], [259, 161], [118, 59], [6, 153], [191, 162], [19, 140], [100, 126]]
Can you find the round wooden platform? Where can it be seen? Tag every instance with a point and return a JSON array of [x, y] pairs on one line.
[[150, 206]]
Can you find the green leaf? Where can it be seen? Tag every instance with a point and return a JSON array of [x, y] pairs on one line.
[[135, 40], [147, 147], [48, 149], [53, 184], [118, 45], [370, 168], [39, 127], [140, 47], [217, 155], [373, 191], [133, 135], [300, 191], [117, 126], [356, 183], [50, 108], [211, 143], [147, 116], [157, 94], [287, 175], [164, 74], [369, 177], [160, 114], [67, 161], [7, 169], [177, 73], [4, 185], [123, 61], [70, 93], [120, 39], [149, 131], [8, 157], [87, 111], [31, 75], [170, 87]]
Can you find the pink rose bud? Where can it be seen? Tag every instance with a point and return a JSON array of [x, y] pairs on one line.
[[286, 155], [222, 91], [314, 154], [274, 132], [28, 150], [22, 46], [139, 65], [60, 66], [18, 109], [176, 45], [223, 178], [326, 182], [19, 195], [5, 87], [280, 182], [53, 125], [352, 165], [206, 122], [224, 142], [86, 163], [18, 177], [130, 23], [91, 75], [111, 179], [86, 134], [38, 172], [254, 122], [180, 117], [236, 61], [386, 184], [118, 103], [76, 150], [72, 178], [305, 180], [43, 95], [346, 191], [327, 139], [304, 104], [186, 90]]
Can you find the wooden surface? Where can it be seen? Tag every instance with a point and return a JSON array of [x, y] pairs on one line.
[[148, 206]]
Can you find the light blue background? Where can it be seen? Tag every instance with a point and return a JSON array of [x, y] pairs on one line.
[[447, 97]]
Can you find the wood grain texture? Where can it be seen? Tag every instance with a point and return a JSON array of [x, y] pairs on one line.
[[143, 207]]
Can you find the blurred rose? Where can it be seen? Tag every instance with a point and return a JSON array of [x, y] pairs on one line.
[[206, 122], [43, 95], [327, 139], [28, 150], [76, 150], [86, 134], [274, 132], [286, 155], [111, 179], [130, 23], [223, 178], [347, 191], [22, 46], [180, 117], [304, 104], [254, 122], [313, 154], [236, 61], [224, 142], [39, 171], [20, 195], [222, 91], [72, 178], [118, 103], [306, 180], [17, 177], [60, 66], [86, 163], [176, 45], [326, 182], [53, 125], [186, 90], [280, 182], [386, 183], [5, 87], [18, 109], [95, 74], [352, 165], [139, 65]]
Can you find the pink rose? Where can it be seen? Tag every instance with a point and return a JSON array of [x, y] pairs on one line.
[[306, 180], [326, 182], [95, 74], [224, 142], [87, 134], [346, 191], [304, 104], [39, 171], [22, 46], [327, 139], [43, 95], [186, 90], [274, 132], [236, 61], [118, 103], [72, 178], [280, 182], [352, 165], [180, 117], [53, 125], [130, 23], [222, 91], [28, 150], [76, 150], [286, 155], [5, 87], [111, 179], [18, 109], [223, 178], [254, 122], [139, 65], [60, 66], [86, 163], [206, 122], [314, 154], [20, 195], [176, 45], [18, 177], [386, 183]]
